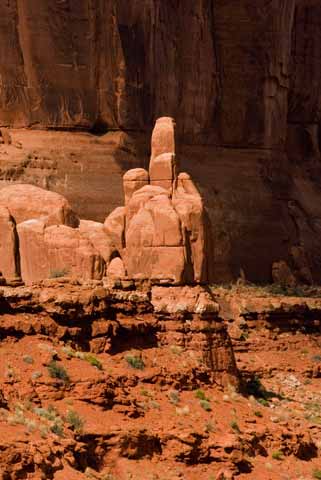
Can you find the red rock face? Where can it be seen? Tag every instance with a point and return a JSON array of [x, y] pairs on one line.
[[243, 86]]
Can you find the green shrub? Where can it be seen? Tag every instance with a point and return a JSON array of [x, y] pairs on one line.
[[135, 362], [277, 455], [317, 474], [205, 404], [200, 394], [258, 414], [57, 428], [74, 419], [93, 361], [58, 371], [235, 426], [49, 413]]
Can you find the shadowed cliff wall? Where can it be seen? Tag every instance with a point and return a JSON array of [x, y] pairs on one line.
[[241, 78]]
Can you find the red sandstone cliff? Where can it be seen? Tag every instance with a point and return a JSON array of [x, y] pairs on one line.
[[242, 79]]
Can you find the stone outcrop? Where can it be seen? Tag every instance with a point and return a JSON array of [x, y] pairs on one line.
[[57, 250], [159, 234], [164, 231], [41, 237], [38, 209]]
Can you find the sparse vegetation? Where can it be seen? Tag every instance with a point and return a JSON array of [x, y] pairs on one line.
[[209, 427], [205, 404], [277, 455], [316, 358], [74, 419], [244, 336], [145, 392], [200, 394], [313, 414], [49, 413], [58, 371], [173, 396], [259, 414], [36, 375], [317, 474], [235, 426], [28, 359], [88, 357], [57, 428], [93, 361], [135, 362], [183, 410], [18, 418]]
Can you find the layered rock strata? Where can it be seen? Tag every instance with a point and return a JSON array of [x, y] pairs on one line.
[[101, 319]]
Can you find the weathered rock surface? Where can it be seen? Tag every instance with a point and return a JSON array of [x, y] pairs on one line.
[[159, 235], [134, 180], [162, 229], [243, 85], [27, 203], [56, 250], [98, 382]]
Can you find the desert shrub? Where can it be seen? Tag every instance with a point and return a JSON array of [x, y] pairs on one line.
[[43, 429], [49, 413], [58, 371], [28, 359], [74, 419], [244, 336], [205, 404], [145, 392], [57, 428], [277, 455], [235, 426], [88, 357], [209, 427], [135, 362], [18, 418], [316, 358], [31, 425], [200, 394], [173, 396], [93, 361], [258, 414], [317, 474], [36, 375]]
